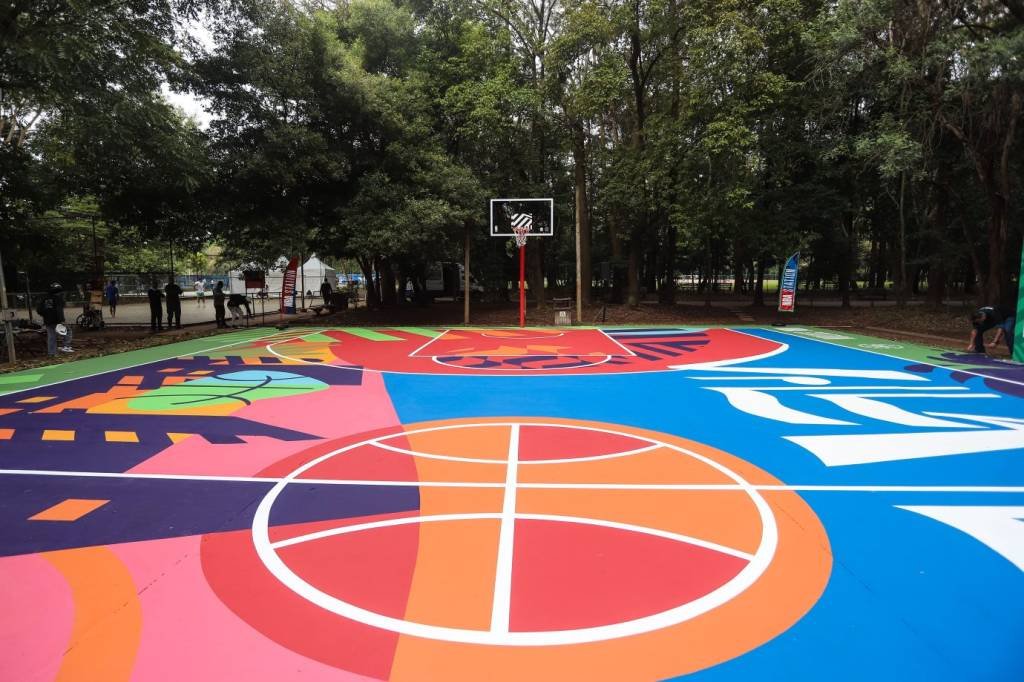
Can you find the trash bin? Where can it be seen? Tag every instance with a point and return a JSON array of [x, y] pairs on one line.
[[339, 300]]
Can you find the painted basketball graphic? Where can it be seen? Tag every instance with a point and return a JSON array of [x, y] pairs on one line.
[[526, 351], [510, 548]]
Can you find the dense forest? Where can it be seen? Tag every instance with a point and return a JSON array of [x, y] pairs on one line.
[[697, 138]]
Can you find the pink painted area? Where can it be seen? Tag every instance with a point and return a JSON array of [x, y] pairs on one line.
[[36, 615], [189, 634], [571, 576], [357, 409]]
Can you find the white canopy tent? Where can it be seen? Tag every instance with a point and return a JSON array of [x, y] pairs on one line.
[[309, 277]]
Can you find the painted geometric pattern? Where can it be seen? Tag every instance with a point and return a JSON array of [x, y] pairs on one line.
[[503, 504]]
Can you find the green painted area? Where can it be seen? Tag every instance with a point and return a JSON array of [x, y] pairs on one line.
[[42, 376], [368, 334], [20, 378], [898, 349], [232, 388], [421, 331], [323, 338]]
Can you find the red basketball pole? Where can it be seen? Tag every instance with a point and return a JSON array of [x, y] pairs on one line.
[[522, 286]]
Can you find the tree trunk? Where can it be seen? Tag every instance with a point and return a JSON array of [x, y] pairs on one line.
[[535, 270], [667, 290], [759, 283], [579, 157], [846, 259], [366, 265], [633, 274]]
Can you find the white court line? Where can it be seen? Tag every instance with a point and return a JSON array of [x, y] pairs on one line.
[[867, 488], [480, 460], [557, 518], [609, 337], [501, 605], [137, 364], [897, 357], [429, 341]]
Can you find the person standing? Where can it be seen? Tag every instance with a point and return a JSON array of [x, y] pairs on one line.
[[325, 293], [113, 294], [200, 292], [218, 304], [156, 313], [51, 309], [173, 292]]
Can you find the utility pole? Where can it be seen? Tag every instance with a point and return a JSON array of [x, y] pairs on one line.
[[8, 328]]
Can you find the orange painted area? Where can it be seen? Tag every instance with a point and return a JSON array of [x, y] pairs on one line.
[[437, 500], [9, 410], [789, 587], [178, 437], [69, 510], [725, 517], [121, 437], [58, 434], [116, 396], [131, 380], [37, 399], [170, 381], [170, 370], [453, 583], [660, 466], [484, 442], [6, 434], [458, 472], [108, 617]]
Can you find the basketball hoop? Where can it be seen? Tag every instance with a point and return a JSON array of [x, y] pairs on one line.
[[522, 233]]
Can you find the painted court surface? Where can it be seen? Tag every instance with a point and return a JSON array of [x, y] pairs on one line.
[[504, 504]]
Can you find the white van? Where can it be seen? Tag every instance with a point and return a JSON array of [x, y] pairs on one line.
[[445, 280]]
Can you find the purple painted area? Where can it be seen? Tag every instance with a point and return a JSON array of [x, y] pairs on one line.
[[998, 373], [90, 450], [147, 509]]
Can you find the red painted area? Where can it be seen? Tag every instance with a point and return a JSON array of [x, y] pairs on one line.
[[599, 576], [557, 442], [371, 569], [397, 467], [506, 342], [366, 463], [655, 351], [243, 583]]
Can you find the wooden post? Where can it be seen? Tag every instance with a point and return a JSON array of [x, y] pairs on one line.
[[579, 266], [8, 328]]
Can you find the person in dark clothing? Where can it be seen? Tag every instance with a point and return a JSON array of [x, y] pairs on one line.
[[51, 309], [325, 292], [156, 313], [173, 292], [235, 303], [113, 294], [989, 317], [218, 304]]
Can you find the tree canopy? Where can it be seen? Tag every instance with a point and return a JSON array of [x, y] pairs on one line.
[[709, 138]]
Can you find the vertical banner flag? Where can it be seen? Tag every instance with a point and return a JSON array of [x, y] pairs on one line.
[[288, 285], [787, 287], [1018, 330]]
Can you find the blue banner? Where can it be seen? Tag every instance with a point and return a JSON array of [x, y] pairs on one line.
[[787, 287]]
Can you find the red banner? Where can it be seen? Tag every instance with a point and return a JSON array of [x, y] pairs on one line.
[[288, 285]]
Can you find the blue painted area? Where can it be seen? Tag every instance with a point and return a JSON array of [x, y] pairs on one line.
[[909, 597]]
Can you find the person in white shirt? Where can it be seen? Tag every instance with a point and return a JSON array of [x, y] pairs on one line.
[[201, 292]]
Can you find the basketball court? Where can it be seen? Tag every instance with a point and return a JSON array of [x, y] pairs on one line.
[[514, 504]]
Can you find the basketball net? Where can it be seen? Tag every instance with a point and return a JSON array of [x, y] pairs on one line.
[[522, 233]]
